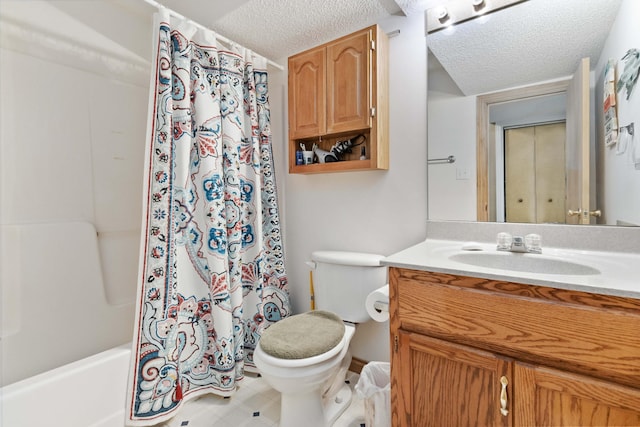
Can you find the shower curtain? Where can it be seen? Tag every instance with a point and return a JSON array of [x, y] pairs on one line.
[[212, 273]]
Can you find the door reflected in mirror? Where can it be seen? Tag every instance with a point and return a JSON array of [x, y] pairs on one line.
[[534, 174]]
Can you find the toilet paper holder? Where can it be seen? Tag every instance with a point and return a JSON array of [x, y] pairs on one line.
[[377, 304], [381, 306]]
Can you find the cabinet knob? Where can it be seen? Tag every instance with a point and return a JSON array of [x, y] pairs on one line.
[[503, 396]]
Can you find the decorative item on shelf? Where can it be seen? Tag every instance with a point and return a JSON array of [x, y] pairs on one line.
[[340, 148], [323, 155], [307, 156], [609, 105], [629, 76]]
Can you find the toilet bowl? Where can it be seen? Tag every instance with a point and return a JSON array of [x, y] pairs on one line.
[[313, 392], [306, 357]]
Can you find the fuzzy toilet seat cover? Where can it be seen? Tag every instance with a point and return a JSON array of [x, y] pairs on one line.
[[303, 335]]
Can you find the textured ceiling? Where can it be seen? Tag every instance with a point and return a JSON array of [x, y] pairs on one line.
[[534, 41], [277, 29], [531, 42]]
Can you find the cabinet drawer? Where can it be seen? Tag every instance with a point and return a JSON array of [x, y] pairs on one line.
[[576, 331]]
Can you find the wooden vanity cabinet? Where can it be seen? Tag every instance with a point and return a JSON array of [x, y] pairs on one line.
[[337, 91], [566, 358]]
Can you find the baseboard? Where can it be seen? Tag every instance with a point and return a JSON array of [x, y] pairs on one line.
[[357, 365]]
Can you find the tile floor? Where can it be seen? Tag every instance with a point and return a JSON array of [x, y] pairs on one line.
[[255, 404]]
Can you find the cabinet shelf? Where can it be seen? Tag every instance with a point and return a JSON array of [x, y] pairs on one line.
[[347, 165]]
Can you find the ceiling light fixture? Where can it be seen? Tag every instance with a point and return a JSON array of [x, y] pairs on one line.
[[479, 6], [458, 11], [442, 14]]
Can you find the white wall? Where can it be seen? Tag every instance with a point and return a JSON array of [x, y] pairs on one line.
[[620, 178], [452, 130], [373, 211], [73, 113]]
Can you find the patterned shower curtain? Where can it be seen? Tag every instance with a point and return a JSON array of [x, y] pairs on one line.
[[212, 273]]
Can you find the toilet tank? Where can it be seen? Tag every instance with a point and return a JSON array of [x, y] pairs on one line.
[[342, 281]]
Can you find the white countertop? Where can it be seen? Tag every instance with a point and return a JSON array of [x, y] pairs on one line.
[[617, 273]]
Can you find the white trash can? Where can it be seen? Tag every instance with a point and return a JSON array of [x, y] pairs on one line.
[[374, 386]]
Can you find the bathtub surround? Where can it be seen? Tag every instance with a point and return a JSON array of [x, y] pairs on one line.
[[72, 126], [212, 273]]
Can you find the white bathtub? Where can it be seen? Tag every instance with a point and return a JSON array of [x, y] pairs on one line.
[[86, 393]]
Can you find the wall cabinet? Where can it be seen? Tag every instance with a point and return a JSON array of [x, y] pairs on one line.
[[468, 351], [338, 91]]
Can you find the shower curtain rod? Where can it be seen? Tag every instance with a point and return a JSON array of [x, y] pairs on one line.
[[219, 36]]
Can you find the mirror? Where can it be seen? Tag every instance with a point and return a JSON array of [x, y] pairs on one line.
[[536, 44]]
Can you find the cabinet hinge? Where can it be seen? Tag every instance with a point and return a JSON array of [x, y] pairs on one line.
[[372, 111], [373, 45], [395, 344]]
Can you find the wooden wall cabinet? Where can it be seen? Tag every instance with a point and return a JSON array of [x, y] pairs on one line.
[[337, 91], [470, 352]]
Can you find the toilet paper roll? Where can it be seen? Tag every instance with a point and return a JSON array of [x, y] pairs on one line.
[[379, 295]]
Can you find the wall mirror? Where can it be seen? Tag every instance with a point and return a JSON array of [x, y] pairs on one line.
[[501, 78]]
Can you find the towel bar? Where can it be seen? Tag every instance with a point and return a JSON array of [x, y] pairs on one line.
[[450, 159]]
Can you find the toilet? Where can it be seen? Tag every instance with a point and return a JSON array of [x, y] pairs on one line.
[[306, 356]]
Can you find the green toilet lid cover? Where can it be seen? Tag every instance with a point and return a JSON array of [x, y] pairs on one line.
[[303, 335]]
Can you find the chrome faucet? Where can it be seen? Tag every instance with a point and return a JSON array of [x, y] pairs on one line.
[[531, 243]]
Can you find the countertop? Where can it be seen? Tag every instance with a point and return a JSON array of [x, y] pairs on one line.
[[616, 273]]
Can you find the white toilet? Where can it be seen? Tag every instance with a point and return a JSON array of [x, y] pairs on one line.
[[305, 357]]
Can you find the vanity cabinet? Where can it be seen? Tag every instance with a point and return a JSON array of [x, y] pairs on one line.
[[472, 351], [338, 91]]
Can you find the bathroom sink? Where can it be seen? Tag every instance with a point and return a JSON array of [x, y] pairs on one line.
[[531, 263]]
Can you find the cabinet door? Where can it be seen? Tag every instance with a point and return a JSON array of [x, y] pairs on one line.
[[437, 383], [548, 397], [307, 94], [349, 61]]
